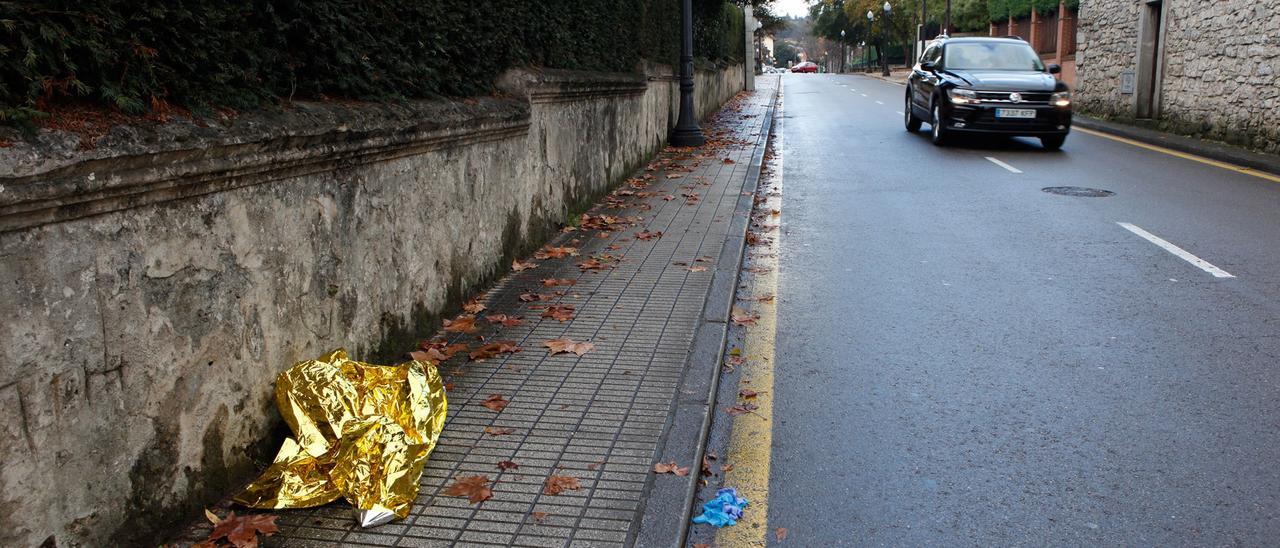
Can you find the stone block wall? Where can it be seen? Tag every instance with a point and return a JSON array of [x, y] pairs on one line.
[[157, 283], [1221, 60]]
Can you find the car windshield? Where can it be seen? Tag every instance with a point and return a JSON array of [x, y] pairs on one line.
[[991, 56]]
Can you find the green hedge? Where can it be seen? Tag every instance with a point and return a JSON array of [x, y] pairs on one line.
[[136, 54], [1001, 10]]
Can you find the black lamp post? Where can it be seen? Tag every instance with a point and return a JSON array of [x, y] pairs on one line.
[[884, 25], [866, 56], [842, 55], [871, 18], [686, 133]]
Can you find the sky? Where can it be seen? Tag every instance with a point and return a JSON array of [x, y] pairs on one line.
[[791, 7]]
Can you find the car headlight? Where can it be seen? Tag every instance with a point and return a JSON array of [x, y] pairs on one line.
[[1061, 99], [963, 96]]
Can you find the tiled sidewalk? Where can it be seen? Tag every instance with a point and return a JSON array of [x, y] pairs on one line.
[[599, 417]]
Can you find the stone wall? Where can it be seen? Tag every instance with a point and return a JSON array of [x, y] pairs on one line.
[[157, 283], [1220, 64]]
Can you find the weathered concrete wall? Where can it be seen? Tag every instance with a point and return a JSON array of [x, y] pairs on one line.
[[155, 285], [1220, 64]]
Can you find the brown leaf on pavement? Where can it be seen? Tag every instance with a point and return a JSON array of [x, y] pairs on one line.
[[465, 323], [559, 312], [675, 175], [747, 393], [498, 431], [473, 306], [592, 264], [531, 297], [728, 161], [668, 198], [780, 534], [492, 349], [517, 266], [437, 351], [505, 320], [475, 488], [670, 468], [242, 531], [555, 252], [552, 282], [741, 408], [495, 402], [538, 516], [564, 345], [743, 317], [726, 467], [646, 235], [507, 465], [559, 484]]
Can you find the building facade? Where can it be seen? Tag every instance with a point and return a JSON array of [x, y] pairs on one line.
[[1207, 69]]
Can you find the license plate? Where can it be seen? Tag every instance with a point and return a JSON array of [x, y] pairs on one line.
[[1015, 113]]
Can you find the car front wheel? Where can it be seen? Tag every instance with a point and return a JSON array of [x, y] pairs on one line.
[[1053, 142], [909, 117], [938, 132]]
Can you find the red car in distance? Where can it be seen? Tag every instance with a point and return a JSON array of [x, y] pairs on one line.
[[807, 66]]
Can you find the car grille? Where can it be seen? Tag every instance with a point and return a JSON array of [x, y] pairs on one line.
[[1002, 97]]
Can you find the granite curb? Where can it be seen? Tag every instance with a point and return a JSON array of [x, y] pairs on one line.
[[667, 506]]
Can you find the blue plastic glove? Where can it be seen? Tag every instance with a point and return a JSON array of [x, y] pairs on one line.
[[725, 509]]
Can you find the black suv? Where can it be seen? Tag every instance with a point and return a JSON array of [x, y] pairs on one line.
[[987, 85]]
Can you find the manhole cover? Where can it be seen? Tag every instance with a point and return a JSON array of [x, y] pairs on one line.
[[1079, 191]]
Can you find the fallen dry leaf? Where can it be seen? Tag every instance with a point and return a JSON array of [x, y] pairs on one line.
[[646, 235], [517, 266], [498, 431], [725, 468], [668, 197], [556, 252], [242, 531], [505, 320], [559, 312], [559, 484], [507, 465], [592, 264], [437, 351], [697, 269], [495, 402], [539, 516], [531, 297], [741, 408], [780, 534], [743, 317], [728, 161], [747, 393], [473, 306], [475, 488], [552, 282], [670, 468], [565, 345], [462, 324], [492, 349], [675, 175]]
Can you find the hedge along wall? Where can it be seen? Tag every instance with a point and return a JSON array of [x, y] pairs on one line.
[[138, 55], [1002, 10]]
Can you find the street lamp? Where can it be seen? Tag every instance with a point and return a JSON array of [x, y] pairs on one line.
[[871, 18], [686, 133], [885, 26], [841, 51]]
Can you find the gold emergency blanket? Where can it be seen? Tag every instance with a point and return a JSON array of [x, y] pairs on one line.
[[361, 432]]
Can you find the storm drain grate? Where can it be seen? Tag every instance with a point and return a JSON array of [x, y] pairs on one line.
[[1078, 191]]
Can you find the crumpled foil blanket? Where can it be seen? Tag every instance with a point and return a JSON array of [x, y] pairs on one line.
[[361, 431]]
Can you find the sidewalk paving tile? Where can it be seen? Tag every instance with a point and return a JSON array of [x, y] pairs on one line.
[[598, 417]]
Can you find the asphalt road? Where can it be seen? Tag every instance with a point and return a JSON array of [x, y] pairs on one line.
[[963, 359]]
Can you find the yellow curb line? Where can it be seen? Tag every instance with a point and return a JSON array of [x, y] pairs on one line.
[[1183, 155], [751, 435]]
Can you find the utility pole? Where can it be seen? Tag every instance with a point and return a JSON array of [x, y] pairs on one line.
[[686, 133]]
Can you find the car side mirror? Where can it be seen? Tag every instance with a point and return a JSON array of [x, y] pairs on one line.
[[928, 65], [1054, 68]]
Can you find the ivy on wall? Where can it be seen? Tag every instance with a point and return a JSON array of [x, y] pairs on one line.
[[138, 55]]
